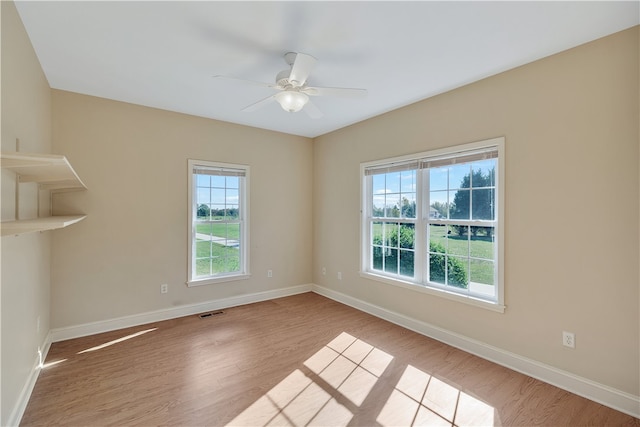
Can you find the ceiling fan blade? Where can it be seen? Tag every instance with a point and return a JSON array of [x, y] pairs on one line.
[[301, 68], [312, 111], [270, 85], [257, 105], [341, 92]]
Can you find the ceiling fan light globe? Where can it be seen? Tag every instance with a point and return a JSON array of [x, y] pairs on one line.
[[292, 101]]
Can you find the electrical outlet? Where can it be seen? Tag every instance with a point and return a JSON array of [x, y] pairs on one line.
[[339, 275], [568, 339], [269, 273], [324, 271], [164, 288]]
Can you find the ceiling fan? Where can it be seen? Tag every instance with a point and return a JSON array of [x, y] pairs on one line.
[[293, 91]]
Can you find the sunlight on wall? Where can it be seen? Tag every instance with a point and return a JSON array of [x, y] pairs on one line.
[[343, 374]]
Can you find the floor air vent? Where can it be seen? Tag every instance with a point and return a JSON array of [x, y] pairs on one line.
[[210, 314]]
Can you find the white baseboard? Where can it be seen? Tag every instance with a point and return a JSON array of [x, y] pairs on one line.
[[61, 334], [25, 393], [605, 395]]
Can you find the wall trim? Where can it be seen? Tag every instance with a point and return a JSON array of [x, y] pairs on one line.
[[603, 394], [61, 334], [25, 394]]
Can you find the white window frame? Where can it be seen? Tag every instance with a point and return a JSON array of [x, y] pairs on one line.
[[243, 204], [422, 220]]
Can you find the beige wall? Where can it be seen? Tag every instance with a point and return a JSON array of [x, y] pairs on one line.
[[571, 220], [133, 160], [24, 291]]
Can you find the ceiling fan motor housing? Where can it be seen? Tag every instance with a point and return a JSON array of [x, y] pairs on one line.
[[282, 79]]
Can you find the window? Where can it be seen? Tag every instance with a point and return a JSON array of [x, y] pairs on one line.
[[433, 221], [218, 222]]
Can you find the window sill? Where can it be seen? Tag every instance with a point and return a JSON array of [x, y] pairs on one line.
[[214, 280], [500, 308]]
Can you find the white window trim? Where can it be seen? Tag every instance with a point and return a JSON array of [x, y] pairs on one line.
[[365, 236], [244, 273]]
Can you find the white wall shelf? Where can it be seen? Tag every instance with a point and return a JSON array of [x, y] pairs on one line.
[[9, 228], [51, 172]]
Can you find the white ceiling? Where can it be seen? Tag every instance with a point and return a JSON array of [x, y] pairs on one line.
[[165, 54]]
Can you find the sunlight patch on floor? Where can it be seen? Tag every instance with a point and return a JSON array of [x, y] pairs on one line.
[[51, 364], [107, 344], [347, 365], [343, 374], [422, 399]]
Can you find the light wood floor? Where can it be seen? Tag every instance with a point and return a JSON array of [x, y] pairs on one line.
[[300, 360]]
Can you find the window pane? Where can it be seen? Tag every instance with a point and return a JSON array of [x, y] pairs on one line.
[[378, 184], [222, 230], [203, 267], [232, 196], [481, 272], [232, 212], [393, 182], [376, 233], [459, 176], [202, 213], [461, 201], [232, 182], [203, 248], [233, 263], [459, 231], [233, 231], [203, 195], [218, 264], [457, 271], [407, 236], [485, 170], [391, 260], [482, 244], [406, 263], [444, 268], [437, 237], [378, 205], [438, 179], [437, 267], [377, 258], [392, 205], [217, 196], [439, 207], [217, 212], [203, 231], [408, 209], [408, 181], [218, 238], [217, 181], [482, 203], [391, 234], [458, 244], [202, 181]]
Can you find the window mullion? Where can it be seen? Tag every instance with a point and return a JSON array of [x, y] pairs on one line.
[[422, 229]]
